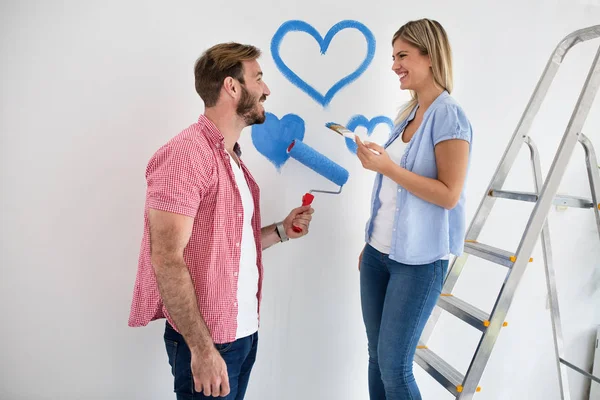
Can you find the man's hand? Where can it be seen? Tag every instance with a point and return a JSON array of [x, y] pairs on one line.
[[210, 373], [299, 217]]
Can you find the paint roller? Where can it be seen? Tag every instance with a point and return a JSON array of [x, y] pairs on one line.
[[321, 165]]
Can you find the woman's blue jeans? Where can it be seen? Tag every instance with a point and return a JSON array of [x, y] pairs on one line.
[[397, 299]]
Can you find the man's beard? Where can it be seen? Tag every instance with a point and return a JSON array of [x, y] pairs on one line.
[[247, 108]]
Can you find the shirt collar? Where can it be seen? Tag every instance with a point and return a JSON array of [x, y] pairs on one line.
[[433, 105], [215, 136], [402, 125]]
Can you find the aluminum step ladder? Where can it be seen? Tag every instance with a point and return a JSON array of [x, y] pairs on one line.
[[466, 386]]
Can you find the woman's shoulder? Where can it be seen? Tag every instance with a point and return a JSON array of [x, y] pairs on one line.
[[447, 104], [449, 118], [448, 108]]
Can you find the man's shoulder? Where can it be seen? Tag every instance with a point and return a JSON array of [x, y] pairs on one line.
[[189, 144], [191, 139], [193, 135]]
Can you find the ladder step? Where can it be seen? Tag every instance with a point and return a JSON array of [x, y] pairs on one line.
[[440, 370], [465, 311], [559, 200], [498, 256]]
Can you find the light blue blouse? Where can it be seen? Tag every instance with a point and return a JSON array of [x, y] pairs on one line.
[[424, 232]]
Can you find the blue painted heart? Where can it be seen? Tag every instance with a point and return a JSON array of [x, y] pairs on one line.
[[272, 137], [361, 120], [301, 26]]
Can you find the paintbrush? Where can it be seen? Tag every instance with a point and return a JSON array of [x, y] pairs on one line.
[[345, 132]]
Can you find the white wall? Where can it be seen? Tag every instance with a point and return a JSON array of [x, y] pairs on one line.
[[90, 90]]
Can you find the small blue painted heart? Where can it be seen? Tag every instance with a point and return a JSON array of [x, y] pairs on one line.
[[361, 120], [273, 137], [301, 26]]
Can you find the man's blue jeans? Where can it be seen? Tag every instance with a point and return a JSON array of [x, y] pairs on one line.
[[397, 299], [239, 357]]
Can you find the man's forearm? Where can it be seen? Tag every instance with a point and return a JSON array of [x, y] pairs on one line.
[[269, 236], [178, 294]]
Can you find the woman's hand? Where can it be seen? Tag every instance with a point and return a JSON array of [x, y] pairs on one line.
[[360, 258], [375, 162]]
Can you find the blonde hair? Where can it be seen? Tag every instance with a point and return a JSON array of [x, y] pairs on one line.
[[431, 39]]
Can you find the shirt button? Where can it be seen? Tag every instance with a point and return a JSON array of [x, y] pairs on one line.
[[399, 190], [397, 209], [240, 215], [237, 245], [236, 274], [235, 304]]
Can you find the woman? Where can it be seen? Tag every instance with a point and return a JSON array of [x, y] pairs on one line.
[[417, 215]]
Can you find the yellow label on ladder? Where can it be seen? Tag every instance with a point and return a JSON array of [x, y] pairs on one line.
[[514, 259], [459, 389]]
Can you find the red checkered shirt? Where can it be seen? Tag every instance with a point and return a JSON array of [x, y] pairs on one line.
[[192, 175]]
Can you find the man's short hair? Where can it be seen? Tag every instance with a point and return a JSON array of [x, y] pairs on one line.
[[216, 64]]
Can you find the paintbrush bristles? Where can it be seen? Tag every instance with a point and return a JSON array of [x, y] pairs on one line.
[[340, 129]]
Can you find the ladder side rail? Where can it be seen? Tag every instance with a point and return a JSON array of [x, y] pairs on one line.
[[534, 226]]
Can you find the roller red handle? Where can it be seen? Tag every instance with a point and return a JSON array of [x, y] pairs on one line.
[[306, 200]]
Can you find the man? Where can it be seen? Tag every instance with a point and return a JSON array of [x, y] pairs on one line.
[[200, 264]]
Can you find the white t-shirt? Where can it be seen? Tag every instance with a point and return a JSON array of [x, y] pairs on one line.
[[383, 224], [247, 319]]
